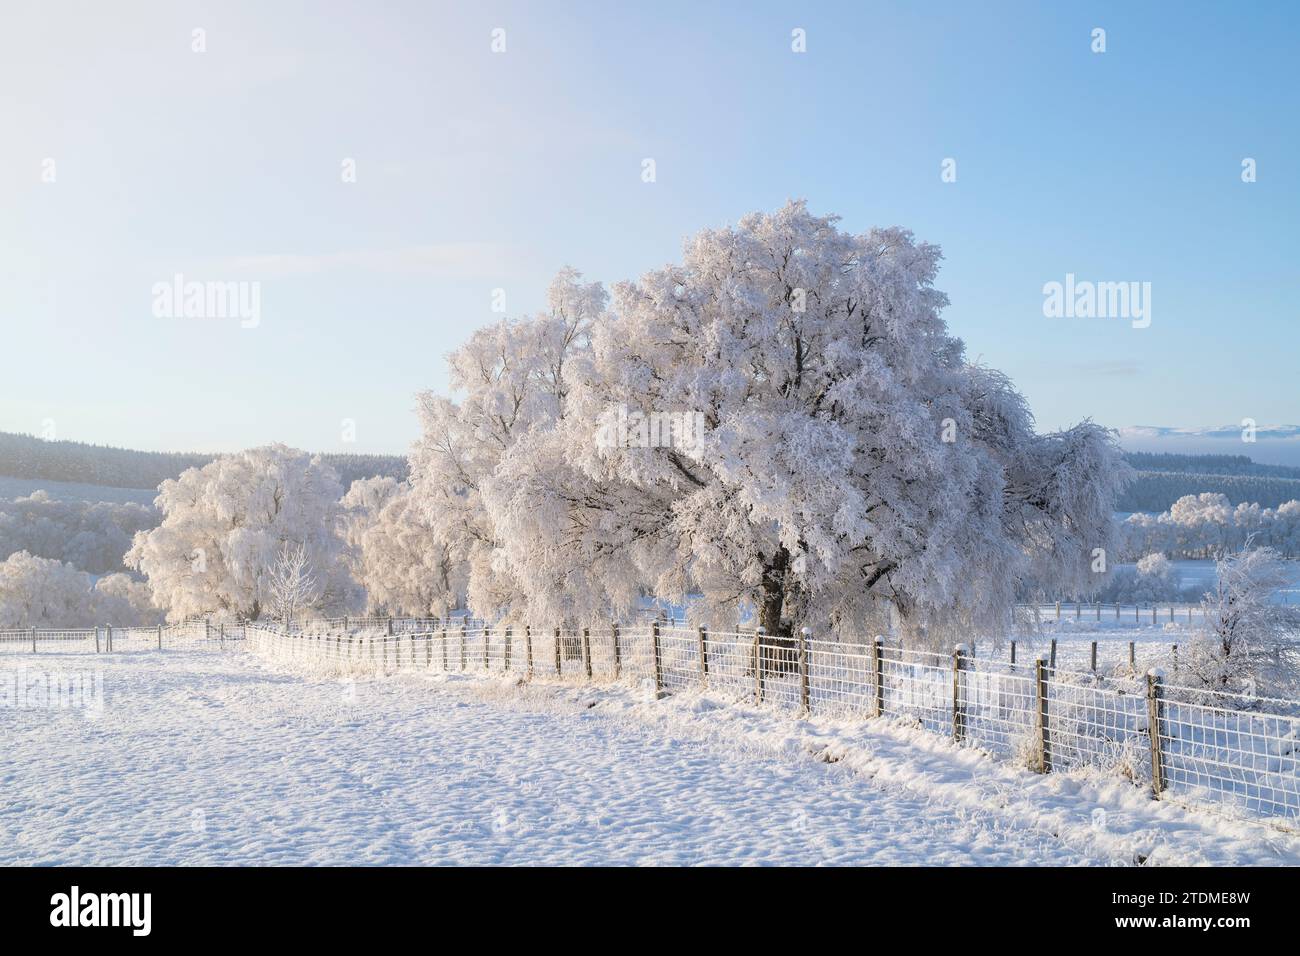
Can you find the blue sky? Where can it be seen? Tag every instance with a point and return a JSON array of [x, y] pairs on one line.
[[477, 171]]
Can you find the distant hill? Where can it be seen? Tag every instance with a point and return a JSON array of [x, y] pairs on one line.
[[1278, 444], [29, 457], [1164, 478], [1208, 464]]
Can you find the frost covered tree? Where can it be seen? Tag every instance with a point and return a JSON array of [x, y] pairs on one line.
[[122, 600], [292, 583], [853, 470], [396, 554], [1249, 637], [512, 378], [1153, 579], [43, 592], [92, 536], [224, 525]]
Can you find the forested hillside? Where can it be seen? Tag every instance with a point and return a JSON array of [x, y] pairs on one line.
[[26, 456]]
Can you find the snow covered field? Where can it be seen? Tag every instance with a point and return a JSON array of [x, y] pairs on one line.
[[202, 757]]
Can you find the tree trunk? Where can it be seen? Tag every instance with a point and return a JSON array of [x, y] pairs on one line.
[[772, 602]]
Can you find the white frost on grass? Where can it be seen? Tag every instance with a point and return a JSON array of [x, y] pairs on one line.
[[209, 758]]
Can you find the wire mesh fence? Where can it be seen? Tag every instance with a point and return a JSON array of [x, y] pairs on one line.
[[1205, 749], [107, 639]]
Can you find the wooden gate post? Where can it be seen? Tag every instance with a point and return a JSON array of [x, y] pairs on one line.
[[703, 634], [464, 660], [586, 651], [559, 667], [1041, 674], [509, 635], [803, 668], [659, 672], [445, 668], [878, 673], [487, 644], [758, 665], [618, 652], [958, 704], [1155, 713], [528, 644]]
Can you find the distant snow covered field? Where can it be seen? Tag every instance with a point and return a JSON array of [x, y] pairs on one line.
[[74, 491], [217, 758]]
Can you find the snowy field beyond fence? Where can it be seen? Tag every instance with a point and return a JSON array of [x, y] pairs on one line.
[[1233, 754]]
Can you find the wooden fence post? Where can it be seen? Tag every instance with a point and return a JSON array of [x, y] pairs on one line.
[[1174, 656], [659, 672], [221, 636], [33, 640], [1155, 712], [1098, 608], [878, 672], [803, 668], [958, 708], [108, 637], [428, 651], [160, 637], [559, 666], [1058, 610], [509, 637], [1078, 611], [528, 644], [96, 638], [1052, 658], [1132, 656], [586, 651], [487, 643], [1041, 674], [1117, 612], [758, 666], [703, 633], [445, 668], [464, 659], [1094, 657], [390, 628], [618, 652], [1013, 655]]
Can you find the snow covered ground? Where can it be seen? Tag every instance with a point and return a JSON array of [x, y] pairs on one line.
[[201, 757]]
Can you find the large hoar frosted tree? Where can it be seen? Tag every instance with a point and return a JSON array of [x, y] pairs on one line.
[[224, 526], [855, 472], [512, 380]]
